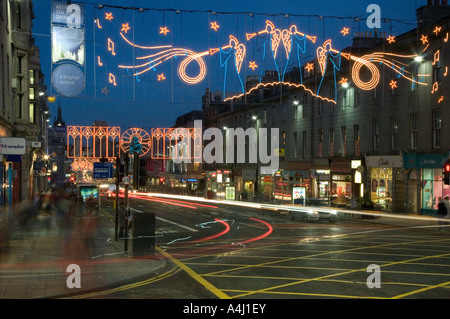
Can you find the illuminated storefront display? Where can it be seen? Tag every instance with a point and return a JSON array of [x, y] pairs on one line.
[[426, 169]]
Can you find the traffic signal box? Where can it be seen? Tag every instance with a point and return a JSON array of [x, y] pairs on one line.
[[446, 173]]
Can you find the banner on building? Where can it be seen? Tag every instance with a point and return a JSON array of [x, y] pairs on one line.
[[68, 48]]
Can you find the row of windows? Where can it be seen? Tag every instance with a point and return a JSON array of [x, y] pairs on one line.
[[343, 147]]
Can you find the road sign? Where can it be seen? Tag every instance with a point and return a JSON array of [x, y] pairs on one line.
[[126, 180], [103, 170]]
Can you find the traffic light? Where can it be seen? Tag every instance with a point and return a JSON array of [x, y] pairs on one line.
[[446, 173], [120, 168]]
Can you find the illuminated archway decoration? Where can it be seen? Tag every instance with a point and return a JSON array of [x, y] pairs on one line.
[[93, 141], [129, 137], [165, 143]]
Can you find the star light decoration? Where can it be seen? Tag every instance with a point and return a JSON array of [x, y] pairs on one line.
[[309, 67], [108, 16], [253, 65], [393, 84], [125, 27], [105, 90], [343, 81], [163, 30], [391, 39], [161, 77], [345, 31], [437, 30], [214, 26], [424, 39]]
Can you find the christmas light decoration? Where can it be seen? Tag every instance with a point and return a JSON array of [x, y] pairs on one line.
[[108, 16], [214, 26], [264, 85], [390, 39], [163, 30], [345, 31], [252, 65]]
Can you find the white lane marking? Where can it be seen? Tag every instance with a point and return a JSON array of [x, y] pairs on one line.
[[168, 221]]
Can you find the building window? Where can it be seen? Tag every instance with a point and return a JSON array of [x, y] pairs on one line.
[[331, 141], [356, 139], [32, 94], [304, 105], [320, 138], [394, 139], [19, 64], [348, 97], [32, 112], [344, 141], [436, 128], [295, 144], [304, 144], [414, 131], [376, 135], [19, 106], [32, 80]]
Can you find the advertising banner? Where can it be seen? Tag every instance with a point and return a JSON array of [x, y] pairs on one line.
[[68, 48]]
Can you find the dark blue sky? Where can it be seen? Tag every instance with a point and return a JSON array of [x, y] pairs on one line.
[[150, 103]]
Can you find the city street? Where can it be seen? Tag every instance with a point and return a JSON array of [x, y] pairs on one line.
[[266, 255]]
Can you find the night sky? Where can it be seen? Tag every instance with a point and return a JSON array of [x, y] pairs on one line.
[[156, 97]]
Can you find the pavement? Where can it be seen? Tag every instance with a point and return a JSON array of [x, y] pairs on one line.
[[46, 258]]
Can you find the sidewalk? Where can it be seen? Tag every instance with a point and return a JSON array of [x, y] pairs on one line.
[[34, 265]]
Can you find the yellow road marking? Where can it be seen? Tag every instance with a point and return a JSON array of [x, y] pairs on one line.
[[219, 293]]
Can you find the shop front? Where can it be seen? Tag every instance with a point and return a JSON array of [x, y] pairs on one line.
[[291, 185], [386, 181], [249, 180], [424, 171], [218, 184], [341, 182]]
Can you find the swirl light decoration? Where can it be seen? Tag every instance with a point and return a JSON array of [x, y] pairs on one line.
[[170, 52]]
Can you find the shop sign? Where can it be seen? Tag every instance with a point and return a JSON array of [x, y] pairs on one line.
[[295, 173], [412, 160], [384, 161], [12, 145], [341, 167]]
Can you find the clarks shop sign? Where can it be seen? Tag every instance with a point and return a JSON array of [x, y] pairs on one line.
[[384, 161], [12, 146]]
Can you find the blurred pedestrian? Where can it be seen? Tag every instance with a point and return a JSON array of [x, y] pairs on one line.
[[442, 213]]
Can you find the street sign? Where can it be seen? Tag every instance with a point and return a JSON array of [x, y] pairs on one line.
[[126, 180], [103, 170]]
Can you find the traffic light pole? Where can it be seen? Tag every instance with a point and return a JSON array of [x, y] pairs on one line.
[[116, 203], [126, 164]]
